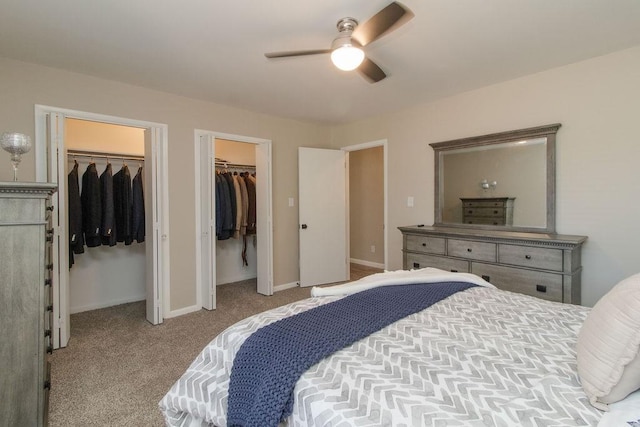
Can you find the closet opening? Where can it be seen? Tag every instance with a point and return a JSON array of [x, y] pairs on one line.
[[234, 203], [108, 267]]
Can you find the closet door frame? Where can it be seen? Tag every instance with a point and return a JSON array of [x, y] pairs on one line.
[[50, 154], [204, 144]]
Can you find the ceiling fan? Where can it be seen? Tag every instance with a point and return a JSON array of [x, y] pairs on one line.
[[346, 49]]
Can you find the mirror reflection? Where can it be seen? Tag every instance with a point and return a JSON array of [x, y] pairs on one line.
[[499, 181], [501, 184]]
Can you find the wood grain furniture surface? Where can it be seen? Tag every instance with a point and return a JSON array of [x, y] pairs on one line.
[[26, 310], [546, 266]]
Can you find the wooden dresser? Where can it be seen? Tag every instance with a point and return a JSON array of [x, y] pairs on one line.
[[547, 266], [488, 210], [26, 311]]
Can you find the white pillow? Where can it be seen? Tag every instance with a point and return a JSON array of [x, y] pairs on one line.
[[608, 348]]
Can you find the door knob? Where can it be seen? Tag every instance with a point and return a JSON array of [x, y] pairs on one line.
[[303, 226]]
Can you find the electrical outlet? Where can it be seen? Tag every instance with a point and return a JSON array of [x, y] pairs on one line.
[[373, 248], [291, 202], [410, 201]]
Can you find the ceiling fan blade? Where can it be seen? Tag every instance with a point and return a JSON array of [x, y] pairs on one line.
[[296, 53], [370, 71], [382, 22]]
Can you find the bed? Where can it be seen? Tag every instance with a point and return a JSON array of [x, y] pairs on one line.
[[477, 357]]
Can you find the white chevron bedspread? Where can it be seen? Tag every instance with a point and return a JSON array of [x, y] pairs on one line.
[[481, 357]]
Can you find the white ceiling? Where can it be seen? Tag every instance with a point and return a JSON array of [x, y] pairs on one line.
[[214, 50]]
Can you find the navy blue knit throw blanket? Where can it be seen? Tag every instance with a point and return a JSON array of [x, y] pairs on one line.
[[270, 362]]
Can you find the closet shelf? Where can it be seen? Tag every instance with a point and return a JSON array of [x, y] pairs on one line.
[[104, 155]]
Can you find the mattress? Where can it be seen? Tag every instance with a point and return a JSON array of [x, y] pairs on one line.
[[481, 357]]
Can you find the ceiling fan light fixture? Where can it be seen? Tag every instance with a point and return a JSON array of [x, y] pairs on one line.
[[347, 57]]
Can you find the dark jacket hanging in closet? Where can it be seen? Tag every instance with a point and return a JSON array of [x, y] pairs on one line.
[[76, 238], [122, 203], [251, 211], [91, 206], [219, 210], [108, 227], [137, 214], [227, 217]]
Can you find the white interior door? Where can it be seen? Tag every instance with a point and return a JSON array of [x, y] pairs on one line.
[[207, 221], [323, 216], [153, 237], [56, 164]]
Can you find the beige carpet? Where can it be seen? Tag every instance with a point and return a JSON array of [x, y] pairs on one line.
[[117, 366]]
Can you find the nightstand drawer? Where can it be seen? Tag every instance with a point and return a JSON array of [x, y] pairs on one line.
[[432, 245], [526, 256], [535, 283], [481, 251], [415, 261]]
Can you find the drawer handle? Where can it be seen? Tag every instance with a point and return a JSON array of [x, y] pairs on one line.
[[47, 385], [541, 288], [424, 244], [454, 271], [495, 212], [495, 223], [487, 278], [470, 212], [468, 249], [527, 257], [416, 265]]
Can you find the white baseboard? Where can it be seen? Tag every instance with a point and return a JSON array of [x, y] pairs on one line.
[[181, 311], [367, 263], [105, 304], [284, 286]]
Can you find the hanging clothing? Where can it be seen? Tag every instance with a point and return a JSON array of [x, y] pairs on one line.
[[245, 204], [91, 206], [227, 214], [122, 202], [137, 214], [238, 216], [251, 211], [108, 223], [233, 202], [76, 237]]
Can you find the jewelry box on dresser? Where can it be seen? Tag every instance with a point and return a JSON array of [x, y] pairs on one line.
[[26, 303]]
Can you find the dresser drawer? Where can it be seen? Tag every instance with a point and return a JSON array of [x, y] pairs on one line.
[[432, 245], [485, 212], [447, 264], [483, 221], [526, 256], [538, 284], [483, 203], [481, 251]]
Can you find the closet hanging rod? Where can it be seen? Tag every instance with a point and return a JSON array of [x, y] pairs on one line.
[[103, 155], [234, 165]]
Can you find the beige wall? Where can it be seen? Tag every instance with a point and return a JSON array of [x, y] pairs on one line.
[[597, 101], [23, 85], [366, 204]]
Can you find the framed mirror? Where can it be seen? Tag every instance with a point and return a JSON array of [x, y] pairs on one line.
[[502, 181]]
